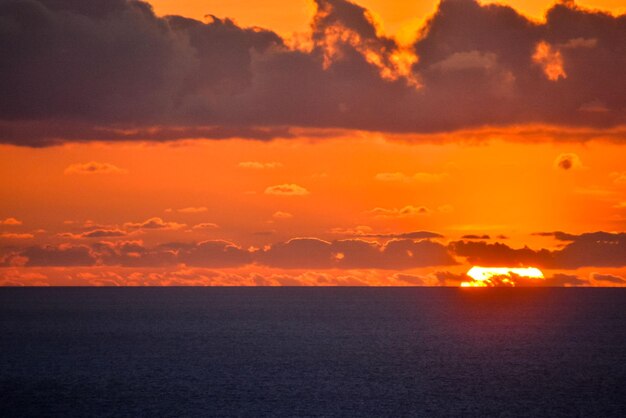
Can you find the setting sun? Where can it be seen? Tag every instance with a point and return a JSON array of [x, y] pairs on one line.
[[500, 276]]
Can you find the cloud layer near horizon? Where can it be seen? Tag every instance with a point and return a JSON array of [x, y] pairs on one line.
[[599, 249], [92, 70]]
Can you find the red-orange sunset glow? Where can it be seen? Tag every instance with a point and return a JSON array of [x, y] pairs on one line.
[[316, 143]]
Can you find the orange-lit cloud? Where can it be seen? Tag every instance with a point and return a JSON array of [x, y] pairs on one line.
[[256, 165], [610, 278], [193, 209], [417, 177], [13, 235], [10, 221], [206, 225], [550, 60], [154, 223], [282, 215], [405, 211], [286, 190], [94, 167]]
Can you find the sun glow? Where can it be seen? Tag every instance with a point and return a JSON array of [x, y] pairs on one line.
[[500, 276]]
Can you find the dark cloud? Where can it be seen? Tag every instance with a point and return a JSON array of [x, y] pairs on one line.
[[299, 253], [215, 254], [610, 278], [446, 278], [356, 253], [410, 279], [598, 249], [595, 249], [92, 70], [498, 254], [103, 233], [65, 255], [560, 279], [478, 237], [567, 161], [134, 254]]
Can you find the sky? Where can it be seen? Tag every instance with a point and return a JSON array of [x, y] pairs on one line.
[[311, 142]]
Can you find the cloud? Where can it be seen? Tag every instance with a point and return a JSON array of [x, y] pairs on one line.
[[417, 177], [406, 211], [560, 279], [407, 235], [206, 225], [286, 190], [10, 221], [568, 161], [170, 77], [11, 235], [399, 251], [358, 230], [498, 254], [256, 165], [513, 280], [610, 278], [558, 235], [93, 167], [550, 60], [193, 209], [64, 255], [282, 215], [446, 278], [477, 237], [215, 253], [194, 276], [469, 60], [154, 223], [96, 233], [595, 249], [298, 253], [411, 279], [355, 254]]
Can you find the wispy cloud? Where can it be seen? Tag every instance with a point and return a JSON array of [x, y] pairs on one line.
[[10, 222], [154, 223], [408, 178], [256, 165], [286, 190], [11, 235], [405, 211], [94, 167], [193, 209]]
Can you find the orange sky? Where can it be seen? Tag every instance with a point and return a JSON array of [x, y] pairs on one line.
[[492, 187], [287, 17], [496, 188], [509, 183]]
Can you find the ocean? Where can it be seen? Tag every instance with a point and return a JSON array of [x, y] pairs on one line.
[[313, 352]]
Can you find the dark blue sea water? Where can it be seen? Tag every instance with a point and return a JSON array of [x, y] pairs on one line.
[[253, 352]]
